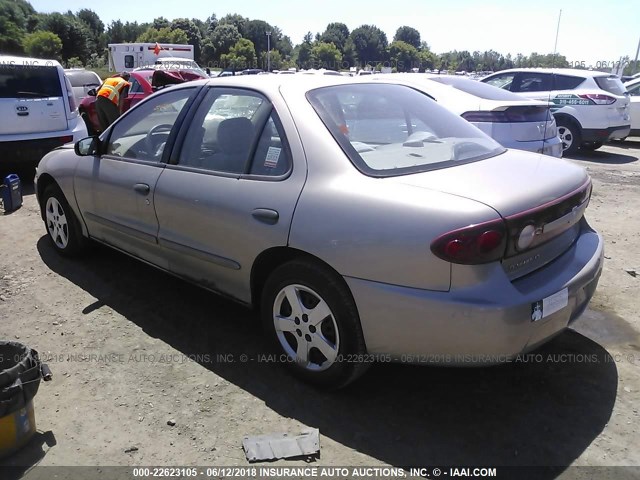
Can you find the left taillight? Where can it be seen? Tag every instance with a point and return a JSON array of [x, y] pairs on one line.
[[72, 99], [515, 114], [598, 98], [474, 244]]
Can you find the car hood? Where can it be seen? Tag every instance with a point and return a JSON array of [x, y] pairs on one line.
[[510, 183]]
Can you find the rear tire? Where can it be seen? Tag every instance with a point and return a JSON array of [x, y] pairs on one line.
[[312, 320], [569, 133], [62, 226]]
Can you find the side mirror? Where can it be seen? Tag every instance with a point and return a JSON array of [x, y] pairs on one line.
[[87, 146], [93, 92]]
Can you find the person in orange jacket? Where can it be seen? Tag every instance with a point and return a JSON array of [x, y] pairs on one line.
[[110, 99]]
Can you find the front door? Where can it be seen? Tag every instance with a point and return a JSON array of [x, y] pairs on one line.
[[115, 191]]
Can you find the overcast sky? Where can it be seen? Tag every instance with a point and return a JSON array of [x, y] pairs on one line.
[[590, 30]]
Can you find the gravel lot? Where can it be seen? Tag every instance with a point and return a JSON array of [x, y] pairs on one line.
[[132, 348]]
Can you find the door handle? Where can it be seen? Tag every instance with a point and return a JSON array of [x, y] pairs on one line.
[[266, 215], [142, 188]]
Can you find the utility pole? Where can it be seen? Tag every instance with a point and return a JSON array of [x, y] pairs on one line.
[[268, 51], [555, 47], [635, 62]]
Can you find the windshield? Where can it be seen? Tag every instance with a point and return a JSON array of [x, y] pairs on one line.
[[389, 130], [82, 79], [29, 81]]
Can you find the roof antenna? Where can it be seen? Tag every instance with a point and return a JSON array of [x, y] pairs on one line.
[[555, 47]]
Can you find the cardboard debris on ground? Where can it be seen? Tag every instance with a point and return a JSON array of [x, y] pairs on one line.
[[281, 445]]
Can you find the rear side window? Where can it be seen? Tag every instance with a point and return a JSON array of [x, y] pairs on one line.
[[567, 82], [611, 84], [28, 81], [128, 61]]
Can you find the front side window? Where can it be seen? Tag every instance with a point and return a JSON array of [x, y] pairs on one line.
[[143, 133], [135, 86], [388, 130], [501, 81], [236, 131], [532, 82]]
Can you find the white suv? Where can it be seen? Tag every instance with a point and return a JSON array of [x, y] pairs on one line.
[[38, 112], [591, 107]]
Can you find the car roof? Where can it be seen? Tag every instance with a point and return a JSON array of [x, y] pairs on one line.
[[13, 60], [632, 82], [562, 71], [272, 83]]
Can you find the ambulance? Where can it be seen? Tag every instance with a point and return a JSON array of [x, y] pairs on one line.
[[128, 56]]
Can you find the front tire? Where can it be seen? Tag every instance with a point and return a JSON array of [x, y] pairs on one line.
[[311, 317], [570, 136], [61, 223]]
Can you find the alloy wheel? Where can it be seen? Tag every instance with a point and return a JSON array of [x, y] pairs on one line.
[[57, 223], [306, 327]]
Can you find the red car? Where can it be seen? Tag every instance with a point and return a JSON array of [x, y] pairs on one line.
[[143, 83]]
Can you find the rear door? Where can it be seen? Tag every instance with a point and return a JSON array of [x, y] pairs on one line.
[[232, 190], [31, 99]]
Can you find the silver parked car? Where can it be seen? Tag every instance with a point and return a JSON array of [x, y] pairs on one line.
[[508, 118], [363, 219]]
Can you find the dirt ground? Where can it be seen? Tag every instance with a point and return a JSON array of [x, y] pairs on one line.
[[132, 349]]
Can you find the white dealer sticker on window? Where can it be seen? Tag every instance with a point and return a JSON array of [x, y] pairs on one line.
[[273, 154], [550, 305]]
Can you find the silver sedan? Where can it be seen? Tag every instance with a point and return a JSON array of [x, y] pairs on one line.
[[363, 219]]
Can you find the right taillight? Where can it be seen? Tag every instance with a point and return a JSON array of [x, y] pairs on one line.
[[472, 245], [598, 98]]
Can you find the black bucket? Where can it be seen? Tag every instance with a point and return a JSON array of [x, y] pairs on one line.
[[20, 375]]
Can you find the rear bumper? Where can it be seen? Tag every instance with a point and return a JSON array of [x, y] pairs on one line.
[[485, 325], [605, 134], [25, 151]]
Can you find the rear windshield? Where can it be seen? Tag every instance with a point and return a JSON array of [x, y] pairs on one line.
[[389, 130], [479, 89], [83, 79], [611, 84], [28, 81]]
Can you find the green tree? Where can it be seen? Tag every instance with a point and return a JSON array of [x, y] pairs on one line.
[[96, 29], [235, 19], [302, 52], [326, 55], [408, 35], [223, 37], [336, 33], [74, 34], [14, 18], [160, 22], [163, 35], [404, 56], [193, 34], [278, 62], [256, 31], [43, 45], [370, 44], [242, 55]]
